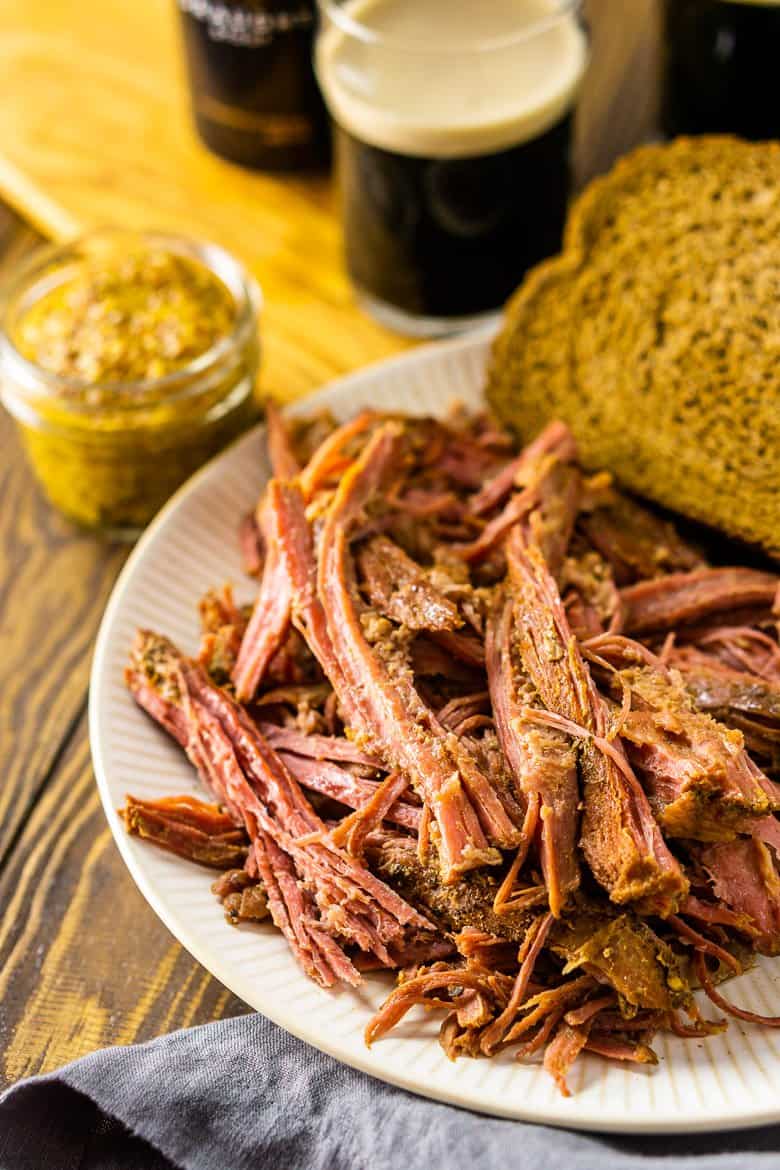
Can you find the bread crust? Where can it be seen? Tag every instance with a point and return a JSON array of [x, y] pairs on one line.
[[655, 334]]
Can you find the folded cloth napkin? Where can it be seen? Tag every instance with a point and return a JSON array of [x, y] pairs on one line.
[[242, 1093]]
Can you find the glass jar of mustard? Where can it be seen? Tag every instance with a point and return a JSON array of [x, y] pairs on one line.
[[127, 360]]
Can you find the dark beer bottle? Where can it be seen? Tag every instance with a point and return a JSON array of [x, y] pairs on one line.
[[254, 97], [719, 68]]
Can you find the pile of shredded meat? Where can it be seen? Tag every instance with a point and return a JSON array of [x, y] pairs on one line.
[[491, 724]]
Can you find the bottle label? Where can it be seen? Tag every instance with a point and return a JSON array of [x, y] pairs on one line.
[[273, 129], [246, 26]]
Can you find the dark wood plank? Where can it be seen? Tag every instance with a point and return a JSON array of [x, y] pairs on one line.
[[84, 961]]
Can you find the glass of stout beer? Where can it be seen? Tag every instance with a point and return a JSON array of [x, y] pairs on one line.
[[453, 129], [719, 61]]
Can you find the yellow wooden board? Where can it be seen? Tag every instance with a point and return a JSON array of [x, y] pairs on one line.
[[95, 129]]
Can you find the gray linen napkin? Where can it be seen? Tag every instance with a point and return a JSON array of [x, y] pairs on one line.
[[243, 1094]]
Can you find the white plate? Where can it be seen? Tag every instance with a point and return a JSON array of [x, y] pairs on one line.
[[724, 1082]]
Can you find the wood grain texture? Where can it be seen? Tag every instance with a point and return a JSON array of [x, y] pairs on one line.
[[53, 587], [84, 961], [54, 582], [94, 129]]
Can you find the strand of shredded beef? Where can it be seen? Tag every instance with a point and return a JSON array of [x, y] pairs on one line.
[[636, 543], [462, 707], [621, 651], [188, 827], [516, 508], [354, 829], [552, 1003], [591, 1008], [399, 588], [744, 648], [715, 914], [726, 1005], [291, 904], [563, 1050], [465, 647], [550, 496], [330, 963], [280, 916], [463, 461], [391, 710], [543, 1034], [684, 598], [616, 1049], [555, 438], [319, 747], [551, 522], [354, 791], [250, 543], [342, 908], [272, 610], [284, 463], [330, 459], [428, 504], [529, 953], [543, 763], [620, 838], [416, 990], [745, 879], [700, 943], [297, 550], [700, 780], [270, 618], [696, 1031]]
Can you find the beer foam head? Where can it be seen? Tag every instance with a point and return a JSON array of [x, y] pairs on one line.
[[450, 78]]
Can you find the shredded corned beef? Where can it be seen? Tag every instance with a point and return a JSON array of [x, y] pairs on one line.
[[681, 599], [620, 838], [477, 697]]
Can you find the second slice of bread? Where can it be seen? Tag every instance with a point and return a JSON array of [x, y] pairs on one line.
[[656, 333]]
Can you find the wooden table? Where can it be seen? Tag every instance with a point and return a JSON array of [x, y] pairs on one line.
[[93, 129]]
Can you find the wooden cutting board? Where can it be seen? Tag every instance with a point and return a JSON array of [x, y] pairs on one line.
[[95, 129]]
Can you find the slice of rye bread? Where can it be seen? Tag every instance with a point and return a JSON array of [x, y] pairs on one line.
[[656, 333]]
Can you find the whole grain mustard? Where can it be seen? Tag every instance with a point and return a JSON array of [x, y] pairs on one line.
[[129, 318], [127, 364]]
